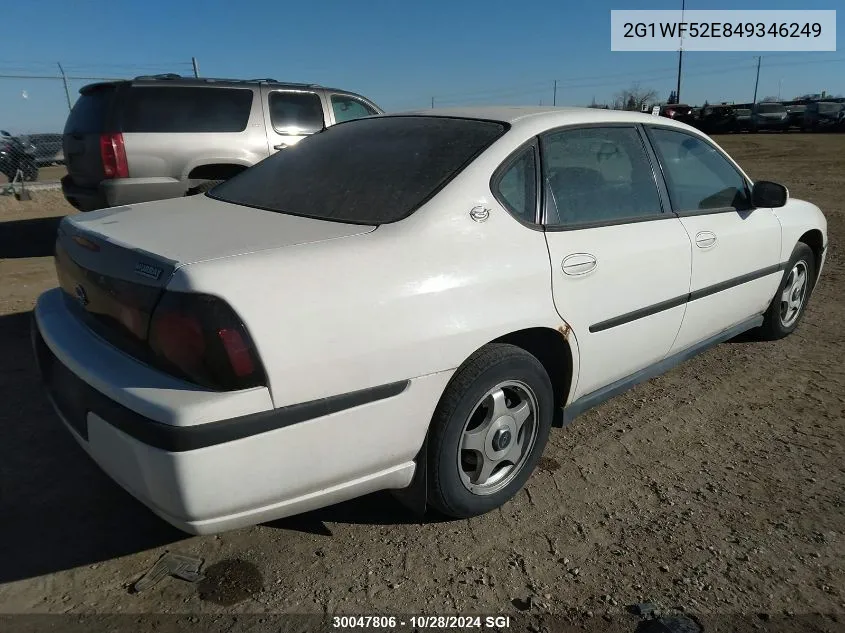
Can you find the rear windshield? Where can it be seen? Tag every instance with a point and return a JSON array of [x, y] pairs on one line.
[[366, 171], [89, 113], [770, 107], [177, 109], [829, 107]]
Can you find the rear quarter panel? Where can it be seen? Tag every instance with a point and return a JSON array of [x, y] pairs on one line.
[[175, 155], [409, 299]]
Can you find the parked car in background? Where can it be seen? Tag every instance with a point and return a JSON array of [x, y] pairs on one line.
[[677, 111], [742, 120], [48, 149], [407, 302], [716, 119], [166, 136], [769, 116], [795, 115], [821, 115], [17, 153]]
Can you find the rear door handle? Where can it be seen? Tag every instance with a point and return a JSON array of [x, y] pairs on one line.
[[280, 146], [705, 239], [579, 264]]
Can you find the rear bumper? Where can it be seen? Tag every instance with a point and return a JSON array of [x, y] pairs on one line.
[[207, 461], [121, 191]]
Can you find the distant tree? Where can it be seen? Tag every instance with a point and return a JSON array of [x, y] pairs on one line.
[[769, 99], [673, 97], [634, 98]]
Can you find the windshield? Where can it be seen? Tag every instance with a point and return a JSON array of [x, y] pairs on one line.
[[367, 171], [768, 108]]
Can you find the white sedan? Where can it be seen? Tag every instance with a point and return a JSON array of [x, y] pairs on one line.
[[407, 302]]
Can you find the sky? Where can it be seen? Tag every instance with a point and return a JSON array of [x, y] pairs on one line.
[[400, 54]]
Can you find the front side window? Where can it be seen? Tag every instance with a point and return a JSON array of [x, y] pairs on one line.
[[598, 175], [348, 108], [698, 176], [296, 112], [517, 187]]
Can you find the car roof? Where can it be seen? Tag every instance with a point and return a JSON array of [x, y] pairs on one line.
[[543, 116]]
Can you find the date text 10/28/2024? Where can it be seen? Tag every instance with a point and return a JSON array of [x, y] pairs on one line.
[[421, 622]]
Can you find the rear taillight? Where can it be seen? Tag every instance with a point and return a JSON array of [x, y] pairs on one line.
[[202, 339], [113, 154]]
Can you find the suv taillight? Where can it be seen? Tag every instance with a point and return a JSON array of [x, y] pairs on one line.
[[202, 339], [113, 154]]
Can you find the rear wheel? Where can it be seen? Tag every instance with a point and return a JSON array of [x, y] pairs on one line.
[[787, 307], [488, 431], [206, 186]]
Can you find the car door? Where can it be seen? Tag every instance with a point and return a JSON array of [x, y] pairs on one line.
[[620, 260], [736, 249], [290, 115]]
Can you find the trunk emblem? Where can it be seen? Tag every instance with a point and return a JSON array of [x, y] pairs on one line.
[[147, 270], [81, 295]]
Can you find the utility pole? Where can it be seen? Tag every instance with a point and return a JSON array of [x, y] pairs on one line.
[[196, 66], [67, 91], [680, 56], [432, 103], [757, 81], [554, 94]]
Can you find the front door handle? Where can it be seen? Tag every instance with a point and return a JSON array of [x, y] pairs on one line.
[[705, 239], [579, 264], [280, 146]]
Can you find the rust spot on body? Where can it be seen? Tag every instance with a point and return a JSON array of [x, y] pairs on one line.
[[564, 330]]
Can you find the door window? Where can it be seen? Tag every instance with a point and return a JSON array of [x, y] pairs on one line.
[[698, 176], [347, 108], [598, 175], [296, 112]]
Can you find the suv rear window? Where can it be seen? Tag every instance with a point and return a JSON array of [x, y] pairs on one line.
[[768, 108], [185, 109], [89, 113], [367, 171]]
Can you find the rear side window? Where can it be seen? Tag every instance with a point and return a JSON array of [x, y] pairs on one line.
[[348, 108], [368, 171], [176, 109], [296, 112], [90, 111], [517, 187]]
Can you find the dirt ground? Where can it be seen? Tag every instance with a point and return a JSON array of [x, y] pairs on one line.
[[716, 489]]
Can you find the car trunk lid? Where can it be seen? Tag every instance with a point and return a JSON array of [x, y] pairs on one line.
[[114, 264]]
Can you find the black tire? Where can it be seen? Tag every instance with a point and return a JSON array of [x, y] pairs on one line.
[[206, 186], [485, 370], [774, 325]]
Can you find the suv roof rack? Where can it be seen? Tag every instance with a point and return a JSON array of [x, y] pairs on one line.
[[172, 76]]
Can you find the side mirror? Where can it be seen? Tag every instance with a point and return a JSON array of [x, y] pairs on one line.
[[768, 194]]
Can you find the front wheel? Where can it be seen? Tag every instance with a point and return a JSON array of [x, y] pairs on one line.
[[790, 301], [489, 429]]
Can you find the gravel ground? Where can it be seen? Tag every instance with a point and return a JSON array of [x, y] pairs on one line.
[[716, 489]]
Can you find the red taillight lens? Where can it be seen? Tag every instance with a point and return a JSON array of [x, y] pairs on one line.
[[201, 338], [238, 352], [113, 154]]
